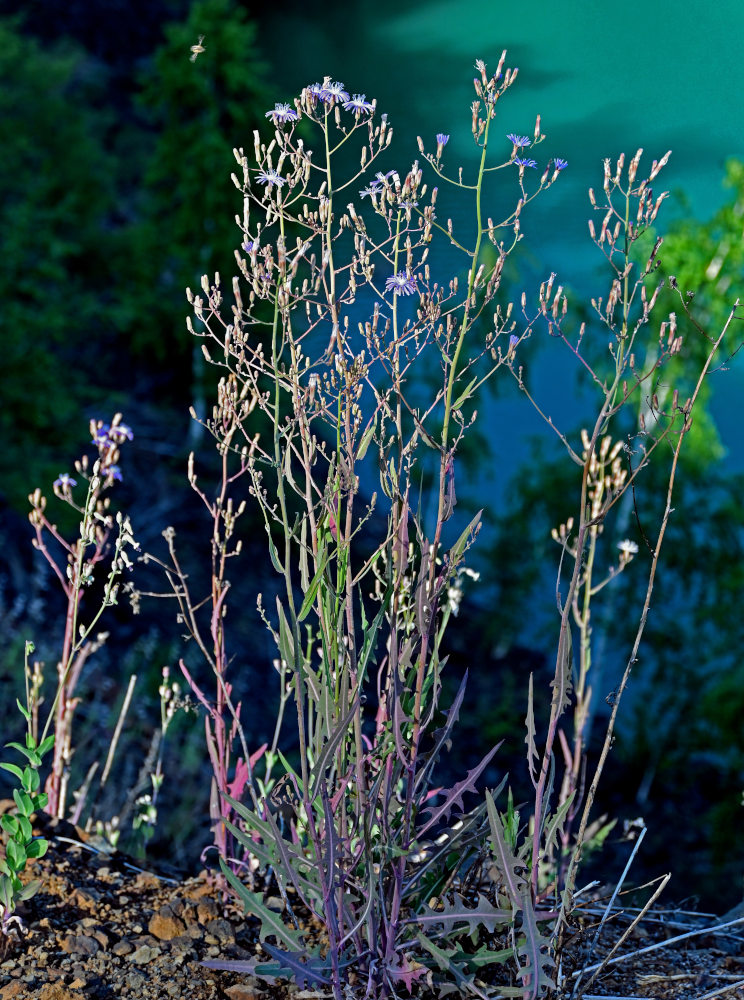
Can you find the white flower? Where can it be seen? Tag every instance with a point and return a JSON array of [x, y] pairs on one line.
[[627, 548]]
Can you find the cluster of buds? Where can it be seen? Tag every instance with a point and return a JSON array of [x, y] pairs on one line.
[[606, 475]]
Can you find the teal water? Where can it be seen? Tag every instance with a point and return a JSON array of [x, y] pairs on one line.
[[605, 79]]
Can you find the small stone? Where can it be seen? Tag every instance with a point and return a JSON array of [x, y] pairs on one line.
[[143, 955], [221, 930], [207, 910], [182, 944], [56, 991], [146, 880], [165, 925], [79, 944], [243, 991], [16, 989], [123, 947]]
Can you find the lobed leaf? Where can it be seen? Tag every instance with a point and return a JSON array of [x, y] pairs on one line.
[[510, 866], [483, 914], [271, 922]]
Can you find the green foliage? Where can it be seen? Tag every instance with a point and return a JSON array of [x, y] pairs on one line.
[[21, 845], [199, 111], [55, 198]]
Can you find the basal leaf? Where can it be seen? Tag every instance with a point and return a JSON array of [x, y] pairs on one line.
[[271, 922], [535, 951], [507, 862], [483, 914]]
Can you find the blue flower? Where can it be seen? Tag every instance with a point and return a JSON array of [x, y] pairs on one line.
[[333, 91], [358, 104], [249, 245], [270, 177], [114, 472], [376, 186], [520, 141], [513, 341], [101, 437], [442, 139], [64, 482], [282, 113], [122, 432], [401, 284], [524, 163], [559, 164]]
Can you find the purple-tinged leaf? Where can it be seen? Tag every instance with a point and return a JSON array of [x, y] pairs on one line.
[[329, 748], [561, 683], [407, 972], [304, 973], [482, 914], [454, 795], [535, 950], [532, 755], [441, 735], [508, 863]]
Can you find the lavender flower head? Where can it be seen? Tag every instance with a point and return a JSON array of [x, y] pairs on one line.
[[442, 139], [270, 177], [282, 113], [121, 432], [330, 92], [101, 436], [559, 164], [520, 141], [359, 104], [249, 245], [64, 482], [401, 284], [524, 163], [513, 341]]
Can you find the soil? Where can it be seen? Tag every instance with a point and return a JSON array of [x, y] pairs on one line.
[[102, 928]]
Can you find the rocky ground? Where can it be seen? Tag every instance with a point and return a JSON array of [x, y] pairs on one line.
[[101, 929]]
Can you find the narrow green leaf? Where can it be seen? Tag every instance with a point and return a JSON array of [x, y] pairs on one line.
[[555, 822], [364, 443], [271, 922], [24, 711], [464, 395], [31, 755], [312, 590], [273, 553], [30, 889], [45, 746], [461, 544]]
